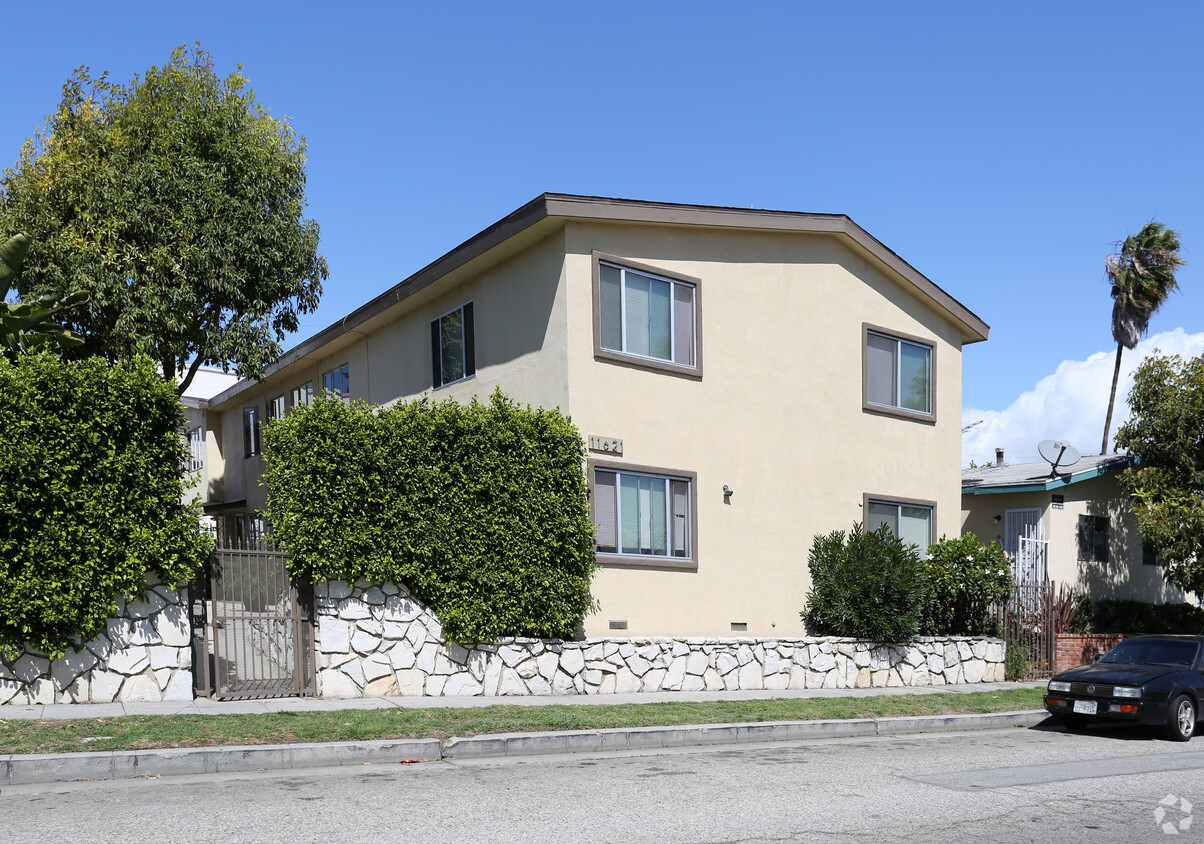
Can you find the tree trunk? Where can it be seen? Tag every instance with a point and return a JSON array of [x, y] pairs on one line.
[[1103, 449]]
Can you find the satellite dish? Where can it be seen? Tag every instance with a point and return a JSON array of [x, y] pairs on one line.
[[1058, 453]]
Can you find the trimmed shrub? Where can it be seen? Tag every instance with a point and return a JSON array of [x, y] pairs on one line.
[[91, 482], [479, 509], [966, 580], [1132, 618], [865, 586]]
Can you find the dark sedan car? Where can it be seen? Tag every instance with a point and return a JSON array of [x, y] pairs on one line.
[[1144, 680]]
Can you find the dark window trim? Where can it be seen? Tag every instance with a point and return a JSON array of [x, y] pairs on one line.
[[1086, 546], [340, 395], [901, 412], [252, 439], [469, 328], [640, 561], [866, 498], [636, 361]]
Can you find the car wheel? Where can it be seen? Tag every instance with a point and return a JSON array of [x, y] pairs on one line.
[[1181, 719], [1075, 723]]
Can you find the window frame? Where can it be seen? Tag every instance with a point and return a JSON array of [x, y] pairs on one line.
[[344, 370], [468, 345], [1086, 547], [275, 408], [629, 358], [869, 498], [252, 434], [894, 410], [306, 390], [647, 561]]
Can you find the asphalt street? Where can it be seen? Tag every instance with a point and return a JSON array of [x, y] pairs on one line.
[[1007, 785]]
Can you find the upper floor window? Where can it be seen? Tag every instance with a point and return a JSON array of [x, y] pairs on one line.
[[453, 346], [303, 396], [898, 374], [276, 408], [911, 521], [337, 382], [644, 517], [646, 316], [196, 448], [251, 438]]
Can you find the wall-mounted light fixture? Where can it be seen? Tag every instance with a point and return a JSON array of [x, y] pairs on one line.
[[998, 519], [727, 491]]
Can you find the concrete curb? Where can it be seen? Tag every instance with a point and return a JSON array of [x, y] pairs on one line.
[[24, 769]]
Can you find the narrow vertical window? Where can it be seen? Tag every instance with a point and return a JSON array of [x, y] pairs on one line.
[[250, 431], [453, 346], [275, 408]]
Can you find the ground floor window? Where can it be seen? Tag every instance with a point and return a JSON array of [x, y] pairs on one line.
[[643, 514], [911, 521]]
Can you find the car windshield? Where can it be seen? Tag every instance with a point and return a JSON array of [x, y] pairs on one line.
[[1153, 652]]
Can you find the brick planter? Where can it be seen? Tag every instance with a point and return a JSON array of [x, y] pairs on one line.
[[1082, 648]]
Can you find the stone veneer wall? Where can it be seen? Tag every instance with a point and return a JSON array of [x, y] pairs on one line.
[[145, 653], [374, 641]]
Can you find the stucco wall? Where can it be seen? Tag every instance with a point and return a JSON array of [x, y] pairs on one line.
[[520, 346], [777, 416]]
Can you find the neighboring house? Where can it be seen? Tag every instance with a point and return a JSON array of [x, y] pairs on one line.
[[1080, 512], [746, 379], [199, 431]]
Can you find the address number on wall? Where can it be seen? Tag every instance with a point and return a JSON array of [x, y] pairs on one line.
[[608, 445]]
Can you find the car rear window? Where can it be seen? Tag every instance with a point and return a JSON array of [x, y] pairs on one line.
[[1153, 652]]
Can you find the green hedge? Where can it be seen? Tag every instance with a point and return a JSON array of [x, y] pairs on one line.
[[480, 510], [865, 586], [1136, 617], [91, 482], [967, 579]]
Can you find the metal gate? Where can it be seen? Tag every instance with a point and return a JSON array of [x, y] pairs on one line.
[[1028, 622], [252, 627]]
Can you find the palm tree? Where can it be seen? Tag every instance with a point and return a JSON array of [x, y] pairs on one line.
[[1142, 273]]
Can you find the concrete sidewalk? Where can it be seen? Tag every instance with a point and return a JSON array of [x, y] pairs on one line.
[[19, 769]]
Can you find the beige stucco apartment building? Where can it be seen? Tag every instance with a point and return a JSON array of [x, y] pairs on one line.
[[1087, 533], [746, 379]]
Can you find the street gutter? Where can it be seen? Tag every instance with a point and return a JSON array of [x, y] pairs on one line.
[[25, 769]]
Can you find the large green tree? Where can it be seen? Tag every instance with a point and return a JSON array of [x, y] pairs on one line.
[[1165, 435], [176, 201], [1142, 273]]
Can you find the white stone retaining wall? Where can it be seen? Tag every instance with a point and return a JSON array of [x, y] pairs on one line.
[[145, 653], [373, 641]]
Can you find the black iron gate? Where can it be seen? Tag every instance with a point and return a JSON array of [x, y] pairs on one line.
[[252, 628], [1029, 628]]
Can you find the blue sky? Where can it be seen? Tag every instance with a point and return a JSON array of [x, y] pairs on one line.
[[999, 148]]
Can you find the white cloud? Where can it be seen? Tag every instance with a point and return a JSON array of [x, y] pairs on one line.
[[1068, 405]]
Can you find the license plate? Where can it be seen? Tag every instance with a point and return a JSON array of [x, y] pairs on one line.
[[1084, 707]]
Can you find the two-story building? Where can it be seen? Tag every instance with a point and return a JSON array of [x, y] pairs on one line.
[[746, 379]]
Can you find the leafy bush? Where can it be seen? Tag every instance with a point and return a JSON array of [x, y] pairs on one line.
[[1136, 617], [90, 495], [480, 510], [866, 586], [966, 579], [1016, 660], [1084, 614]]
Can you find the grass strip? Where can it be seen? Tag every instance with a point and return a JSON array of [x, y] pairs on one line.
[[141, 732]]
